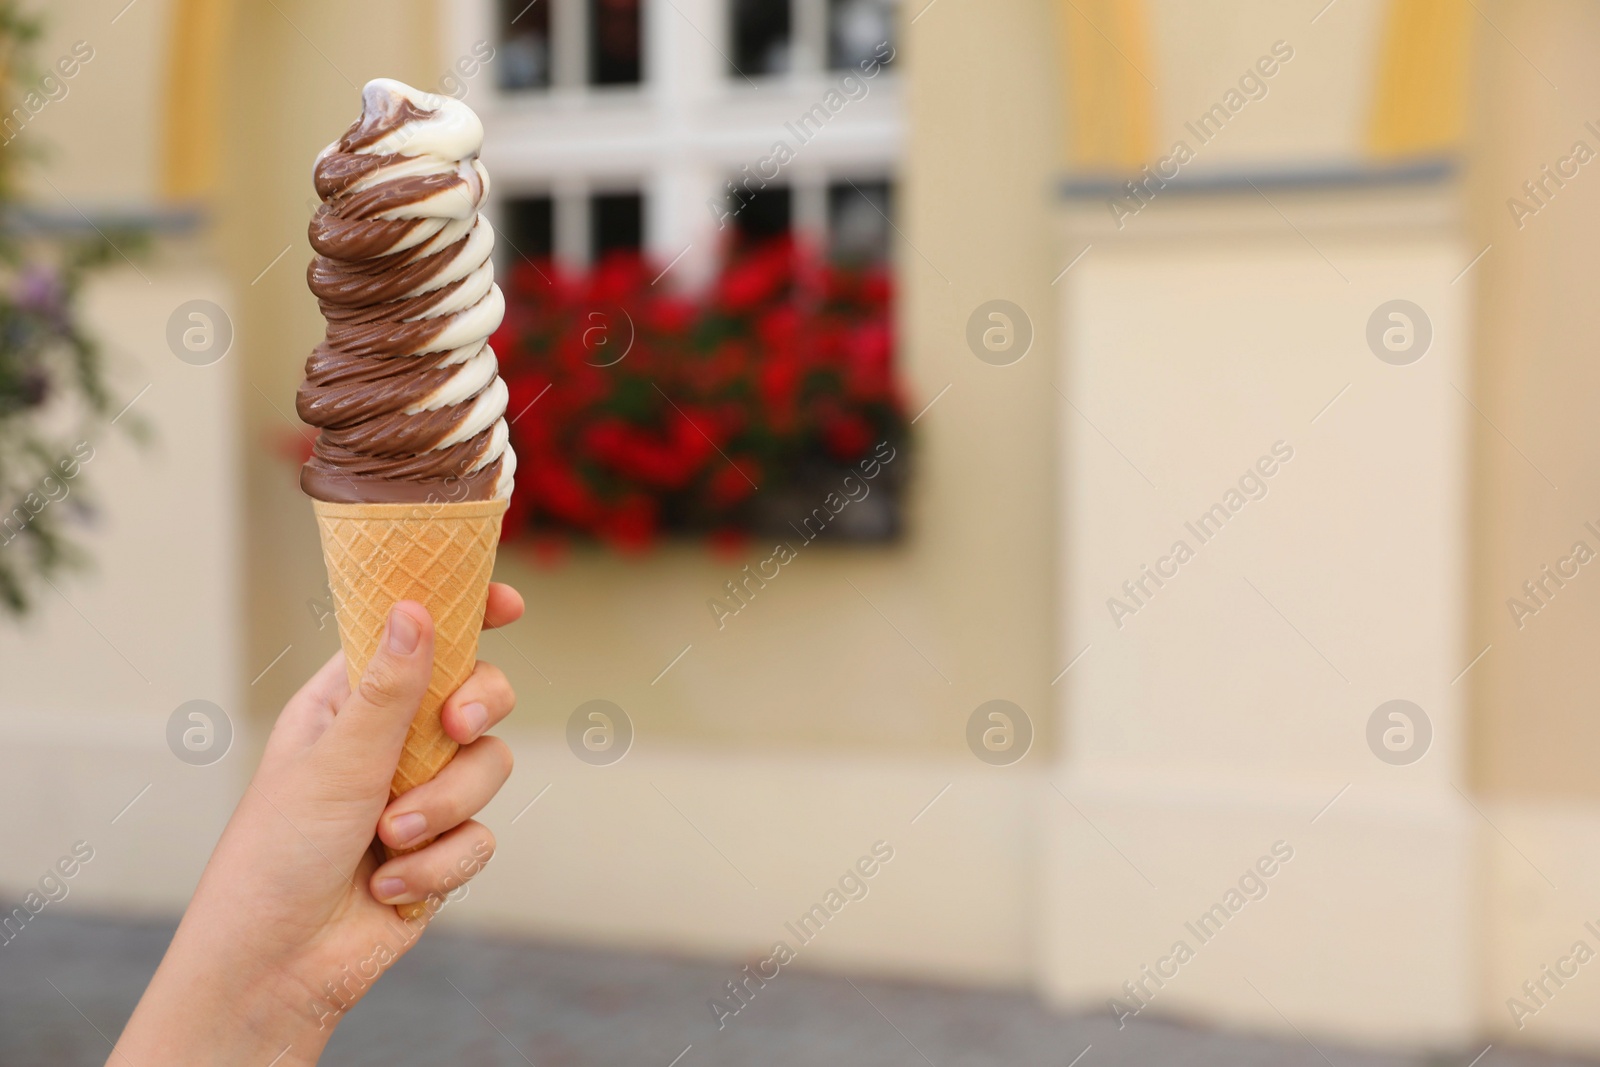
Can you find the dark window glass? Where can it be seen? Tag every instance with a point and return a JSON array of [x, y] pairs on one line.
[[860, 34], [528, 227], [761, 214], [614, 42], [760, 36], [616, 223], [858, 221], [524, 55]]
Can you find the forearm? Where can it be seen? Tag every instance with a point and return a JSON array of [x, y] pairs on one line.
[[196, 1015]]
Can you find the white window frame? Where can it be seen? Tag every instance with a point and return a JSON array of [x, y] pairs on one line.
[[678, 135]]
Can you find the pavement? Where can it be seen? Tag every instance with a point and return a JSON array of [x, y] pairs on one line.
[[68, 984]]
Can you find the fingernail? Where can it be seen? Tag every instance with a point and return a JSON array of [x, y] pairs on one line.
[[408, 827], [404, 634], [475, 717], [390, 890]]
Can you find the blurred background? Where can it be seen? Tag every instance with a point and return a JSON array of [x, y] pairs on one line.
[[1122, 460]]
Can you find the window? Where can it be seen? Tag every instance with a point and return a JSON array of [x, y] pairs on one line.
[[609, 145], [614, 42], [775, 37], [616, 223], [575, 227], [849, 217], [858, 221], [569, 43], [760, 37], [860, 32], [528, 226], [763, 214], [524, 44]]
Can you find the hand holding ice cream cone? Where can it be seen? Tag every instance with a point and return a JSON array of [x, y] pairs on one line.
[[412, 468], [293, 889]]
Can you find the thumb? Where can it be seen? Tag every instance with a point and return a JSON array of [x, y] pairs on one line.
[[376, 715]]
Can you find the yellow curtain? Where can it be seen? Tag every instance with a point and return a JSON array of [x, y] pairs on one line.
[[1420, 102], [193, 122], [1109, 84]]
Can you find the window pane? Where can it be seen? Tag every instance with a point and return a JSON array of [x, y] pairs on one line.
[[616, 223], [762, 214], [614, 42], [761, 36], [860, 33], [528, 227], [524, 58], [858, 221]]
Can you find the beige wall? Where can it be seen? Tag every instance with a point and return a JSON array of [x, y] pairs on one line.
[[1535, 730], [1315, 107], [1539, 386], [92, 161]]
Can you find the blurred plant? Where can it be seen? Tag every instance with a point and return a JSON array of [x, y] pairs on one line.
[[636, 412], [52, 386]]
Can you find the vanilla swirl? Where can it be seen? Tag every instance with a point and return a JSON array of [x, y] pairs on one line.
[[404, 387]]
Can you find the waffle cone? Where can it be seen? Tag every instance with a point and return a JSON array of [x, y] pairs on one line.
[[440, 555]]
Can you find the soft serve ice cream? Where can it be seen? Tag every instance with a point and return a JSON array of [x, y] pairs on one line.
[[405, 388]]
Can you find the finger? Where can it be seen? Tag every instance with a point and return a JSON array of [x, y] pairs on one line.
[[437, 870], [308, 712], [503, 606], [459, 792], [374, 718], [484, 699]]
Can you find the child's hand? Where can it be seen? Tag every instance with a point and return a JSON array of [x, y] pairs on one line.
[[294, 917]]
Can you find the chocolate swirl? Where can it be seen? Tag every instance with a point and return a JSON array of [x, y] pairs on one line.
[[404, 386]]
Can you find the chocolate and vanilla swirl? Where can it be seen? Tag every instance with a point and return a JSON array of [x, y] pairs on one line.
[[404, 387]]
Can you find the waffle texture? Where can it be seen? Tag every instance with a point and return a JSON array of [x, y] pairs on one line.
[[440, 555]]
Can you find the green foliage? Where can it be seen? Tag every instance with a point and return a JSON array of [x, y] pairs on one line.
[[54, 401]]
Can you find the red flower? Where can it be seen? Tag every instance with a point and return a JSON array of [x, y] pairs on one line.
[[670, 315], [616, 277], [528, 278], [291, 446], [779, 386], [779, 327], [734, 481], [558, 490], [784, 358], [754, 277], [867, 350], [631, 525], [847, 436], [876, 289]]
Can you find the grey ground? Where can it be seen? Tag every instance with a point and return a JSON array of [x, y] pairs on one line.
[[68, 984]]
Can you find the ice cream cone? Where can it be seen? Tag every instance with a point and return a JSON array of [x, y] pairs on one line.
[[440, 555], [405, 390]]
